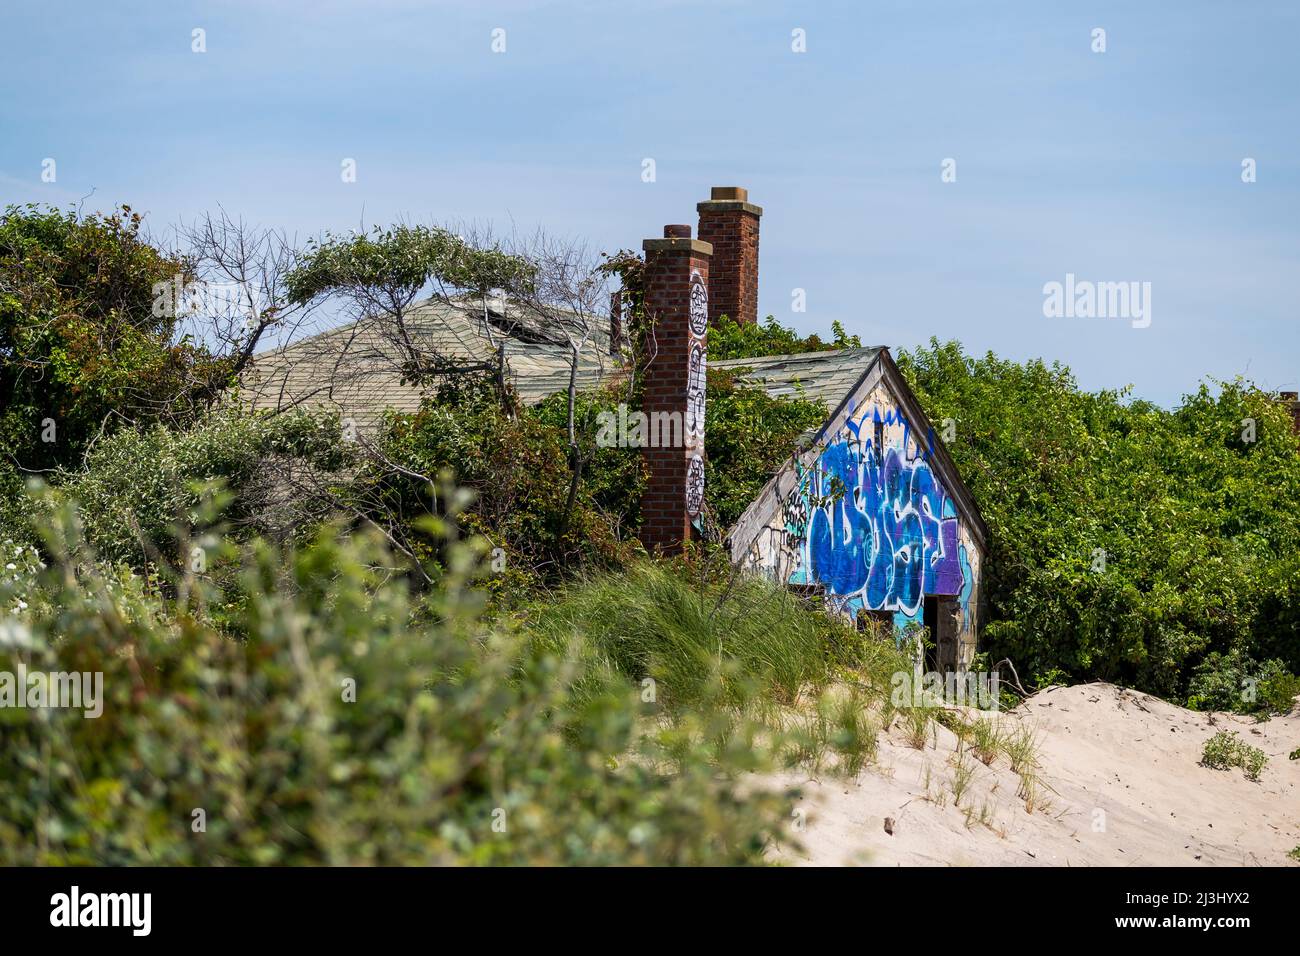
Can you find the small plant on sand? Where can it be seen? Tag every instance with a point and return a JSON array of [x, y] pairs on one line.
[[853, 731], [916, 726], [1294, 854], [985, 740], [937, 797], [983, 816], [810, 736], [1021, 748], [963, 770], [1029, 791], [1226, 750]]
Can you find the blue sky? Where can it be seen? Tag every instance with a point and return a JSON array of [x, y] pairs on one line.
[[1115, 166]]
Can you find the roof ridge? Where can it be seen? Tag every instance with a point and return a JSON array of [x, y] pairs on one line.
[[798, 355]]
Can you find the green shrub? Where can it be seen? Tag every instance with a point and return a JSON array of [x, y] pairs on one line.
[[1128, 542], [1277, 689], [350, 726], [1234, 682], [728, 339], [518, 467], [138, 485], [1226, 750], [87, 350]]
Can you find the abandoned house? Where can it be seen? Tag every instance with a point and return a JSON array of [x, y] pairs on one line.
[[870, 513]]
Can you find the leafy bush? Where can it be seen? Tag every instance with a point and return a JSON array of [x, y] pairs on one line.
[[518, 467], [1226, 750], [350, 726], [86, 351], [1128, 542], [728, 339], [1278, 688], [1234, 682], [139, 484]]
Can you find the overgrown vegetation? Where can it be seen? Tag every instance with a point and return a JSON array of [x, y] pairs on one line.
[[351, 724], [739, 642], [85, 348], [136, 485], [517, 461], [730, 340], [442, 642], [1147, 547]]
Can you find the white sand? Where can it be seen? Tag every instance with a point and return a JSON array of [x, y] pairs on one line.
[[1122, 786]]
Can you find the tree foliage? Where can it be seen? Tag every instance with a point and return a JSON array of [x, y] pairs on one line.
[[141, 484], [85, 344], [728, 339], [400, 262], [1129, 542], [517, 467]]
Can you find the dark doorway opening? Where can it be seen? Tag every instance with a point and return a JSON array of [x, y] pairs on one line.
[[930, 618], [939, 615]]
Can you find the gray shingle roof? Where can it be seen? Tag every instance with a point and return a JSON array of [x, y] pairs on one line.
[[824, 377], [357, 368]]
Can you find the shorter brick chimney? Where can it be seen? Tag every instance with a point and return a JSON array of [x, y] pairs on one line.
[[729, 222], [677, 308]]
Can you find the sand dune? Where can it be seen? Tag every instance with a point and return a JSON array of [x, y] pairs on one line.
[[1121, 785]]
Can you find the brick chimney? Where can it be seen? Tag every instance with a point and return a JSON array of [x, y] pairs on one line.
[[677, 305], [729, 222]]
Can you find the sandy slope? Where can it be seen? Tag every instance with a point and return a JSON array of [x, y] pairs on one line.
[[1122, 786]]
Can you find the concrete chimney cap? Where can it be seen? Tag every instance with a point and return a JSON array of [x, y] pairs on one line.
[[729, 199]]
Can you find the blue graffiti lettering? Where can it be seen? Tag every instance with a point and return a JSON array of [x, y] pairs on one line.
[[881, 531]]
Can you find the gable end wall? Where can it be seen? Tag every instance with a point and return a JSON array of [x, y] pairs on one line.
[[872, 515]]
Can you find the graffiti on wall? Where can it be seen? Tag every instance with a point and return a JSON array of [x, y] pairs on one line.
[[695, 393], [871, 522]]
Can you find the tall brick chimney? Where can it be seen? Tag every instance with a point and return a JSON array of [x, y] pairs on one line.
[[729, 222], [677, 305]]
